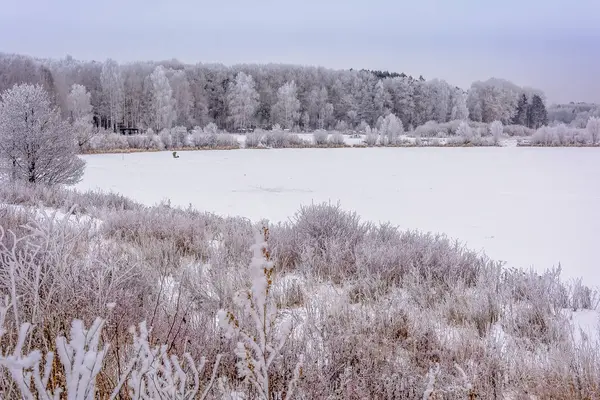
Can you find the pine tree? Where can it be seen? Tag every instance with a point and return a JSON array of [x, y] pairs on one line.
[[520, 117], [537, 115]]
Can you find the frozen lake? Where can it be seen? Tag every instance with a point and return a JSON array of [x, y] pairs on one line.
[[531, 207]]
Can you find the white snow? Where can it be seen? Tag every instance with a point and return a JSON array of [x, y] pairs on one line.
[[528, 206]]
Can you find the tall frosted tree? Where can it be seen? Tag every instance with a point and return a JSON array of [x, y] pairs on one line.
[[459, 108], [36, 145], [286, 109], [242, 99], [80, 113], [183, 97], [381, 101], [112, 89], [79, 103], [391, 128], [163, 104]]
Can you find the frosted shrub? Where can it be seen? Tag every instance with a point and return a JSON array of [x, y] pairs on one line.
[[560, 135], [593, 129], [254, 139], [326, 237], [261, 342], [496, 130], [431, 129], [203, 140], [165, 137], [277, 138], [363, 127], [226, 140], [371, 137], [320, 137], [154, 374], [337, 139], [178, 136], [108, 142], [155, 142], [518, 130], [211, 128], [341, 126], [138, 142], [80, 359], [465, 131]]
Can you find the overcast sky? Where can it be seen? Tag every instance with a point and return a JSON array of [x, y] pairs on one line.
[[553, 45]]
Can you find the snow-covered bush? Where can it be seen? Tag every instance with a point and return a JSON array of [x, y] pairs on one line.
[[496, 130], [518, 130], [593, 129], [560, 135], [337, 139], [371, 137], [226, 140], [108, 142], [211, 128], [320, 137], [254, 139], [341, 126], [262, 341], [178, 137], [277, 138], [165, 137]]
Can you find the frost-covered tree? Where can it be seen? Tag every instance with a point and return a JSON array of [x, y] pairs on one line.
[[112, 89], [465, 131], [79, 103], [459, 110], [286, 110], [80, 112], [391, 128], [36, 145], [593, 129], [494, 99], [182, 98], [242, 100], [162, 100], [381, 100], [496, 129], [440, 97]]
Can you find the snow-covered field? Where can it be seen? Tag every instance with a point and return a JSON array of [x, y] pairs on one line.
[[527, 206]]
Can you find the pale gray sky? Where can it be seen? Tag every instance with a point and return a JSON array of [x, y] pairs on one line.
[[553, 45]]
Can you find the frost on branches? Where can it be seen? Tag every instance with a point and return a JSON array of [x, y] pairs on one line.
[[261, 344], [150, 373], [80, 357]]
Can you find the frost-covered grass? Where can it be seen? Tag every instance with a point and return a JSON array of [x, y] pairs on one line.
[[376, 312]]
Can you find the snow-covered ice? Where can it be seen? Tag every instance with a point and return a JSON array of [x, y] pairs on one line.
[[527, 206]]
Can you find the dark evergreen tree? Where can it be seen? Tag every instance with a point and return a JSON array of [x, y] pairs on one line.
[[520, 117], [537, 115]]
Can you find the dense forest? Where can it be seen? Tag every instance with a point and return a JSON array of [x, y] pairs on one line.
[[165, 94]]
